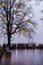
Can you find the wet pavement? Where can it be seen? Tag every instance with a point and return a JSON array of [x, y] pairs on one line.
[[22, 57]]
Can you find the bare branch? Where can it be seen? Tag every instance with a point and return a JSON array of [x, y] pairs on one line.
[[3, 26]]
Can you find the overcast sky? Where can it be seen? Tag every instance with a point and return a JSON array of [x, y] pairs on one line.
[[38, 38], [38, 15]]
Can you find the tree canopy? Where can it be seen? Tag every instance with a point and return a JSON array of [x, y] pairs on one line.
[[16, 17]]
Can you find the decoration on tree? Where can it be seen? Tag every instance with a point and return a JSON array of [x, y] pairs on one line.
[[3, 4], [4, 19]]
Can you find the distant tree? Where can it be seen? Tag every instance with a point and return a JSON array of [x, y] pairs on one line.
[[15, 17]]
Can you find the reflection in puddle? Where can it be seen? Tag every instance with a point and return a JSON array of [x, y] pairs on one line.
[[16, 54], [24, 57], [25, 52], [6, 59]]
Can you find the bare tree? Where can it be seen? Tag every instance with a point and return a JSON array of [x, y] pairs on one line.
[[15, 17]]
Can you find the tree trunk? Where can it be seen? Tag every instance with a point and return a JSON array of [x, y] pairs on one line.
[[9, 40], [8, 34]]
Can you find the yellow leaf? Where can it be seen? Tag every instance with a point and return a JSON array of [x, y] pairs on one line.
[[4, 18], [21, 7], [24, 19], [28, 32], [34, 27], [3, 4], [22, 30], [22, 0]]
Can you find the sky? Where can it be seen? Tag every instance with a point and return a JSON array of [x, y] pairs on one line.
[[38, 37]]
